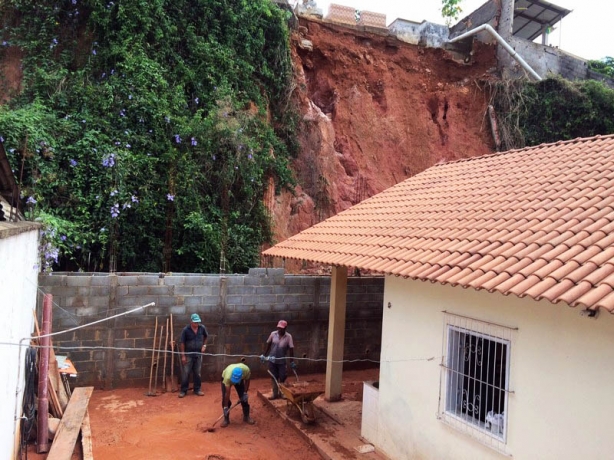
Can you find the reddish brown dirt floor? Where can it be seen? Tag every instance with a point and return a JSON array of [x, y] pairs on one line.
[[128, 425]]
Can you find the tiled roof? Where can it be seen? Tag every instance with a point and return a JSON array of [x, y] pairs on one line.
[[535, 222]]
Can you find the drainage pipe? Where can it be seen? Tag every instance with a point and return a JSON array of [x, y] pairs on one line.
[[42, 440], [503, 43]]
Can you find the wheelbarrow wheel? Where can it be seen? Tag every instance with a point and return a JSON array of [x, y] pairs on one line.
[[308, 413]]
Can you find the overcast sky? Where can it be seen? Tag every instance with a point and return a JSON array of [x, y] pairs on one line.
[[587, 32]]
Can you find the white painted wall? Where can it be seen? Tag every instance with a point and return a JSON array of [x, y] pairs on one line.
[[18, 284], [561, 374]]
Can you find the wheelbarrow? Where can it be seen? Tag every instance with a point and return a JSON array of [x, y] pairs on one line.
[[300, 395]]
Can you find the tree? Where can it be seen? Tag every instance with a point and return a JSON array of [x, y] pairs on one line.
[[451, 10], [603, 66]]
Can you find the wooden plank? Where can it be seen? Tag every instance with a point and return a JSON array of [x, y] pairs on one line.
[[66, 437], [86, 438], [56, 407], [58, 385]]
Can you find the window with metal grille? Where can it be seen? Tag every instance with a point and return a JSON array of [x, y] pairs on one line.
[[475, 376]]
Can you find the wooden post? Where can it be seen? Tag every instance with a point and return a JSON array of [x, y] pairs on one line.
[[153, 357], [172, 356], [165, 353], [336, 333]]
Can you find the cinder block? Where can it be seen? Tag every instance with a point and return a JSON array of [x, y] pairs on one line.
[[239, 290], [101, 280], [78, 280], [167, 301], [177, 310], [127, 280], [210, 280], [235, 280], [174, 280], [138, 290], [148, 280], [234, 300], [193, 301], [159, 290], [51, 280], [202, 290]]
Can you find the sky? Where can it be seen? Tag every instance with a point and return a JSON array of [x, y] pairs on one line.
[[587, 32]]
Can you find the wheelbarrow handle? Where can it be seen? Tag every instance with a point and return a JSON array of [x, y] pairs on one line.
[[276, 382]]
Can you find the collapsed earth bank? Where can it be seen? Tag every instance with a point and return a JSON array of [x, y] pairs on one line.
[[373, 112]]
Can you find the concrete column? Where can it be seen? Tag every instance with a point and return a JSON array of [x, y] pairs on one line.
[[336, 333], [507, 64], [110, 343]]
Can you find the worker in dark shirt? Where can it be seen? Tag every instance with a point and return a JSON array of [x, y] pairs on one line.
[[192, 345]]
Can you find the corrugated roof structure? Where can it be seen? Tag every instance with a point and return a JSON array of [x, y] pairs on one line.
[[535, 222]]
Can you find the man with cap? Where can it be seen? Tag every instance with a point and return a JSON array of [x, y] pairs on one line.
[[192, 344], [236, 375], [278, 345]]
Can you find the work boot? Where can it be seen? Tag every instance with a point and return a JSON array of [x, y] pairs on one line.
[[275, 394], [246, 417]]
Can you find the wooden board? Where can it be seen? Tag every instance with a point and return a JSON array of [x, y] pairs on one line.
[[55, 406], [70, 425], [86, 438]]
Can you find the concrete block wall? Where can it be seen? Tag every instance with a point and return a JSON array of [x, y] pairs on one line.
[[239, 311], [546, 60]]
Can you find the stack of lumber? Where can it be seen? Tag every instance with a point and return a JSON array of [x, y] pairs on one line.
[[71, 409]]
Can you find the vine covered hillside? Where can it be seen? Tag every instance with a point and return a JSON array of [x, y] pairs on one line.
[[144, 133]]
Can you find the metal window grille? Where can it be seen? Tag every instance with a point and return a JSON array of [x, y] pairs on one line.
[[474, 387]]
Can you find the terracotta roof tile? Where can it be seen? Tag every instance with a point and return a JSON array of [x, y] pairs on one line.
[[535, 222], [593, 296], [607, 303]]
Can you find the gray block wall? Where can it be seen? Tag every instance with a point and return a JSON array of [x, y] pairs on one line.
[[239, 311]]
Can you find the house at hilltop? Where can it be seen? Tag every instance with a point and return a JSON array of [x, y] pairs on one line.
[[497, 334]]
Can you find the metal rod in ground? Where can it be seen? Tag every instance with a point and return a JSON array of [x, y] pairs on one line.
[[153, 355], [165, 353], [158, 360]]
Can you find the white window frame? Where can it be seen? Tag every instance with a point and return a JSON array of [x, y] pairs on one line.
[[453, 379]]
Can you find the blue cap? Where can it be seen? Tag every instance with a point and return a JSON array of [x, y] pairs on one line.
[[195, 318], [237, 375]]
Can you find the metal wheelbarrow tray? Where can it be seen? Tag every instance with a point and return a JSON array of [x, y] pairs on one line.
[[301, 395]]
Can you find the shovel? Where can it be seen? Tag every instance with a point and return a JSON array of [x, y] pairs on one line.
[[212, 427]]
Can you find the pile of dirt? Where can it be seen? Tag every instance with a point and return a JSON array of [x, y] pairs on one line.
[[375, 111]]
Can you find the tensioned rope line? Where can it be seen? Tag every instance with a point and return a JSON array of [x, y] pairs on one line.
[[223, 355]]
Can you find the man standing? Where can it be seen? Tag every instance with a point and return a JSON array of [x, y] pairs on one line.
[[192, 344], [277, 345], [236, 375]]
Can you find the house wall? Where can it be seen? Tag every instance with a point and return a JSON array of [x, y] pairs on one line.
[[424, 34], [239, 311], [546, 60], [560, 374], [18, 278]]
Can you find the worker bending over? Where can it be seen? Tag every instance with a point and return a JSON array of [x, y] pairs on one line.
[[236, 375]]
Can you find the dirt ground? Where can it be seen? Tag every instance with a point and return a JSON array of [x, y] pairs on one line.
[[129, 425]]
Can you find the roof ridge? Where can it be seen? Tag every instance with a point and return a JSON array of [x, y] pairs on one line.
[[577, 140]]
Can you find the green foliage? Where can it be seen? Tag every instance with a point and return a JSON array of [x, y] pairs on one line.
[[604, 66], [451, 10], [532, 113], [142, 127]]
